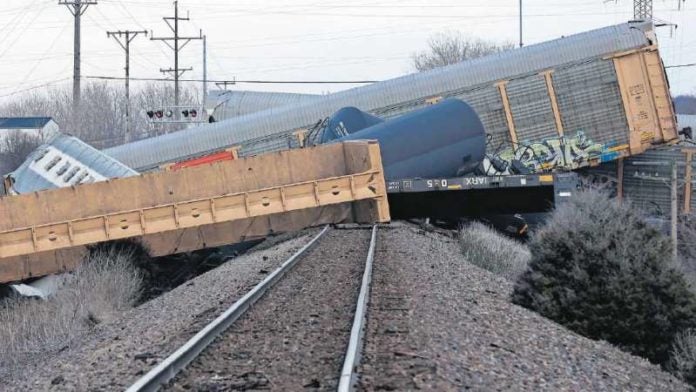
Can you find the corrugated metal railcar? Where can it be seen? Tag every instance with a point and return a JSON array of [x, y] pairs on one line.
[[646, 179], [64, 161], [568, 103]]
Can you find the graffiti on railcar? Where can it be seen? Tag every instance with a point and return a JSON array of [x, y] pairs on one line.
[[563, 152]]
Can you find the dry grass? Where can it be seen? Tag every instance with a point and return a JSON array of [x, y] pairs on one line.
[[108, 283], [492, 251], [683, 356]]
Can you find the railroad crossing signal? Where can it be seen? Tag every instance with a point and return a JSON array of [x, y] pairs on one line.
[[175, 114], [186, 112]]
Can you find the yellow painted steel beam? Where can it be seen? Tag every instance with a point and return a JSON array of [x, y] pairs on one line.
[[191, 213], [301, 136], [646, 100], [554, 102], [204, 198], [235, 151], [433, 100], [667, 118], [630, 52], [502, 88]]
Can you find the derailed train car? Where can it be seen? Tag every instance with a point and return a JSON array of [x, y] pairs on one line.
[[646, 179], [563, 104], [455, 144]]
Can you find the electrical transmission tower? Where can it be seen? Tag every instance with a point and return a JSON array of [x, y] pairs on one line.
[[173, 23], [124, 39], [642, 9], [76, 8]]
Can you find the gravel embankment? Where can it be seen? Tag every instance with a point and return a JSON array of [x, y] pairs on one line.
[[295, 337], [437, 322], [118, 352]]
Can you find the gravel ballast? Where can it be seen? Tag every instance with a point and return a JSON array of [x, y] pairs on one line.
[[119, 352], [437, 322], [295, 337]]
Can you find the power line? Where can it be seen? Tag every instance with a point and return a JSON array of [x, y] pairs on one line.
[[10, 29], [34, 87], [124, 39], [37, 63], [205, 69], [681, 65], [76, 8], [239, 81], [6, 30], [134, 19], [521, 42], [176, 71]]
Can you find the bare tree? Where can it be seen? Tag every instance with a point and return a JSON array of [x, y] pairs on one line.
[[453, 47], [101, 121], [15, 146]]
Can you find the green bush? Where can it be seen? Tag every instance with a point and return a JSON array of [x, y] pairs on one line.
[[601, 271], [488, 249]]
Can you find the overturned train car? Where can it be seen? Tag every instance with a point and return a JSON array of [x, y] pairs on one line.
[[444, 140], [564, 104]]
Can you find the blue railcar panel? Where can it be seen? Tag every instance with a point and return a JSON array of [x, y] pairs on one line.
[[443, 140]]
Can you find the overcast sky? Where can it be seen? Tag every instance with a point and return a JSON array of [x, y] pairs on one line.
[[299, 39]]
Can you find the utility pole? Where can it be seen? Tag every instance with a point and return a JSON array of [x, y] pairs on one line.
[[673, 184], [76, 8], [173, 23], [124, 39], [521, 44], [205, 70]]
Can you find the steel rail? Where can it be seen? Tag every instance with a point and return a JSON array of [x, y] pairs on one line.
[[172, 365], [357, 333]]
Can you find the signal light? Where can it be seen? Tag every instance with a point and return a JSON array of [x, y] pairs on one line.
[[169, 113], [189, 112]]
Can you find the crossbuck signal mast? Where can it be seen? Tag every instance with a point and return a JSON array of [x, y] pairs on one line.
[[76, 8], [124, 39], [176, 46]]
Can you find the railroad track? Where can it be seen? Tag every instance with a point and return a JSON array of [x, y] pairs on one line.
[[304, 330]]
